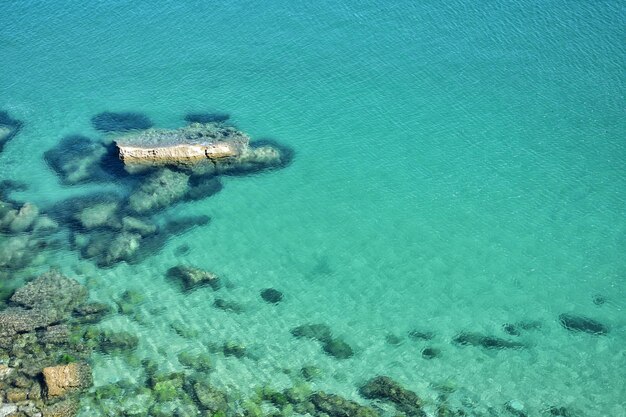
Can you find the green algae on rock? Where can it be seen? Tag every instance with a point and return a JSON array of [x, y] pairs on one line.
[[386, 389]]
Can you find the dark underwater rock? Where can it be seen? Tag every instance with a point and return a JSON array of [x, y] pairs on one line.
[[338, 348], [584, 324], [271, 295], [161, 189], [487, 342], [120, 122], [9, 127], [78, 159], [207, 117], [336, 406], [234, 349], [191, 277], [431, 353], [386, 389], [226, 305], [599, 299], [393, 340]]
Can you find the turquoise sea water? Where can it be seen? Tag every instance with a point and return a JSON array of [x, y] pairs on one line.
[[458, 166]]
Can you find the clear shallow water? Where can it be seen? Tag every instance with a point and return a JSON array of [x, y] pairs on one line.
[[458, 167]]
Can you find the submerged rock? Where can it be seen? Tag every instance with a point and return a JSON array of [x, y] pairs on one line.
[[103, 214], [338, 348], [66, 378], [487, 342], [386, 389], [204, 148], [271, 295], [120, 122], [191, 277], [336, 406], [78, 159], [159, 190], [51, 290], [584, 324], [8, 128], [226, 305], [431, 353]]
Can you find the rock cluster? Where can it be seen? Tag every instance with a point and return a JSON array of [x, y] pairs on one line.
[[42, 352]]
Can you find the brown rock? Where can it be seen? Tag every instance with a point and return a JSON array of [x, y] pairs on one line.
[[65, 378], [65, 408], [15, 395]]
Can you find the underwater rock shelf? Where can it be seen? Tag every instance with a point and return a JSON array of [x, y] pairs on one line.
[[210, 148]]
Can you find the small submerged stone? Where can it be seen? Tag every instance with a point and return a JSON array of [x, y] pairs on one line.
[[191, 277], [120, 121], [338, 348], [393, 339], [584, 324], [230, 306], [332, 346], [311, 372], [431, 353], [487, 342], [271, 295], [234, 349], [599, 299]]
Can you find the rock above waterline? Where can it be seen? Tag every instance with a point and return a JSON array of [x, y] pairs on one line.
[[204, 148], [66, 378]]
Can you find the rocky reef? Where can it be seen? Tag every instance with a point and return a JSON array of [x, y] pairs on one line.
[[43, 355], [9, 127]]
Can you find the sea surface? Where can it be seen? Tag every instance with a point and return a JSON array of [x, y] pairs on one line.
[[459, 166]]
